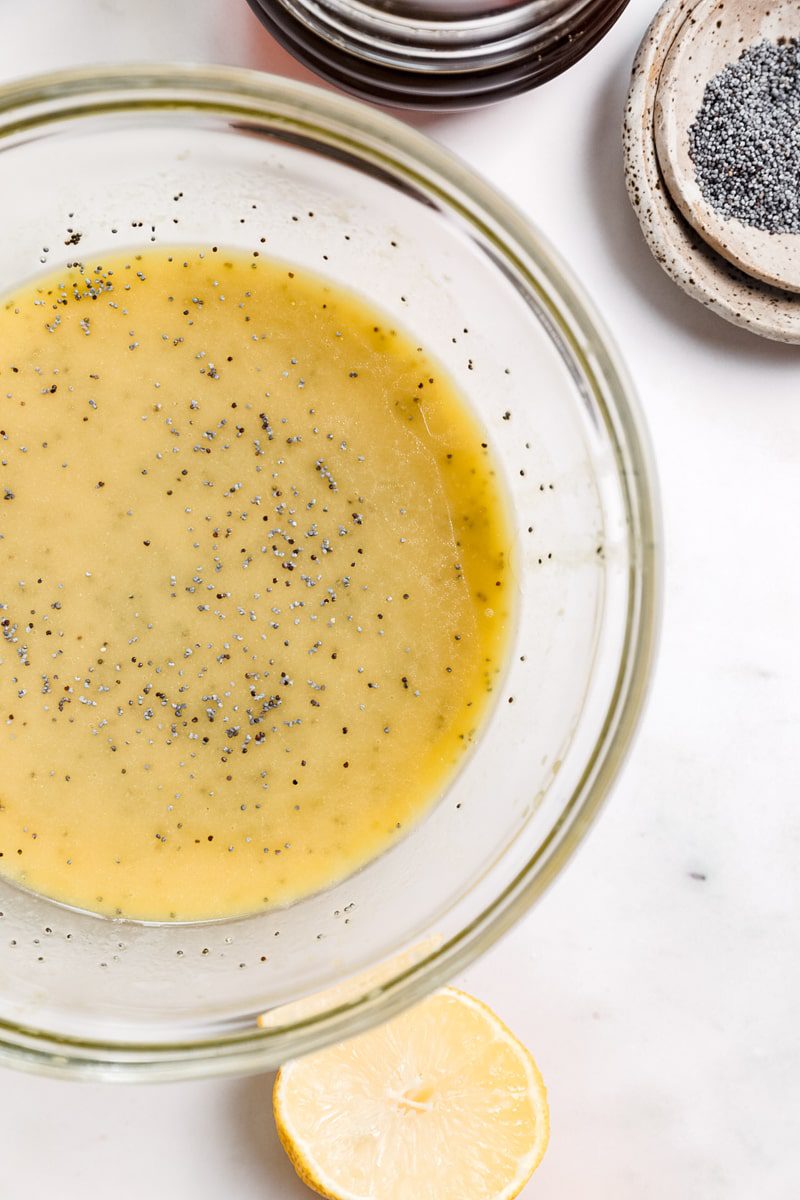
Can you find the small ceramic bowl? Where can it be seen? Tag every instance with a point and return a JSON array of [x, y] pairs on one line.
[[677, 246], [713, 38]]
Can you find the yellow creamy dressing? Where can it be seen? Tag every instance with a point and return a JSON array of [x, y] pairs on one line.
[[254, 583]]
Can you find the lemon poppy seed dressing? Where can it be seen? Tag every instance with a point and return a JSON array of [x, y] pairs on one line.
[[254, 583]]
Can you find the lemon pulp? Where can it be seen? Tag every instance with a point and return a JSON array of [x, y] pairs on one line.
[[442, 1103]]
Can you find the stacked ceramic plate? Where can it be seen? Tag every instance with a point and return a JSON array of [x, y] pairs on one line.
[[712, 153]]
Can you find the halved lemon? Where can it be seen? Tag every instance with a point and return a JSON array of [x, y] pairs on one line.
[[442, 1103]]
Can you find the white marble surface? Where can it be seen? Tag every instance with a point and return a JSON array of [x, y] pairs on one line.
[[658, 981]]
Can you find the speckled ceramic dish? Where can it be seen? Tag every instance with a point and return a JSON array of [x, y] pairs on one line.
[[165, 154], [683, 253], [716, 35]]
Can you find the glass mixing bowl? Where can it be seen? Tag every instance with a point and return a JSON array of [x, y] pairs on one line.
[[146, 155], [438, 54]]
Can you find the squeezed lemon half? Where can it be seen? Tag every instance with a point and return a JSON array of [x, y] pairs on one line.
[[442, 1103]]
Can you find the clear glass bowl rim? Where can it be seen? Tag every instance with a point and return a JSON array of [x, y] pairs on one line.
[[31, 102]]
